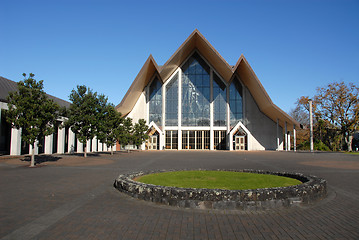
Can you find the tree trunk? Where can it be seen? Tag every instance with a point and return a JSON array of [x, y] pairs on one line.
[[111, 150], [85, 151], [349, 143], [32, 163]]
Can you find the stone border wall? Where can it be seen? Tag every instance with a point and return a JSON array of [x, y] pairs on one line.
[[311, 190]]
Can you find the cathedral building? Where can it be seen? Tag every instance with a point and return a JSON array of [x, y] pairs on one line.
[[197, 101]]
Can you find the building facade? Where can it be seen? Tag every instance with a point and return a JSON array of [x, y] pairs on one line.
[[197, 101], [63, 140]]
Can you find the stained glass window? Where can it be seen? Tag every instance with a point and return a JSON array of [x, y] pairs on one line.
[[155, 102], [235, 102], [195, 92], [219, 102], [172, 102]]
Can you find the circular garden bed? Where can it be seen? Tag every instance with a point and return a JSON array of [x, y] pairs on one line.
[[310, 190]]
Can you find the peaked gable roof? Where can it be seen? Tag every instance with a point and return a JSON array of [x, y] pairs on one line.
[[196, 41], [7, 85]]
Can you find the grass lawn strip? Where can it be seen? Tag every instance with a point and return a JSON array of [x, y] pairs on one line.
[[353, 153], [217, 180]]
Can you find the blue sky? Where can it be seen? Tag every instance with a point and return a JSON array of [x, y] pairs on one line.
[[293, 46]]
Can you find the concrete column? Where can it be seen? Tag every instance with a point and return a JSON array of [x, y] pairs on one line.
[[88, 146], [311, 125], [228, 120], [71, 145], [277, 134], [230, 141], [180, 110], [15, 145], [211, 135], [61, 140], [100, 146], [80, 147], [288, 141], [294, 139], [179, 139], [286, 136], [162, 139], [49, 141], [105, 148], [94, 144], [0, 120]]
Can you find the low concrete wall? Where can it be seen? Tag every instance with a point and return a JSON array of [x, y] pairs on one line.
[[311, 190]]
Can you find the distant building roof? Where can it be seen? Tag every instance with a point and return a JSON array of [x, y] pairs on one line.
[[7, 86]]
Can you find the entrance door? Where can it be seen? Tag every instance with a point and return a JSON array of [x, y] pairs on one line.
[[152, 142], [239, 143]]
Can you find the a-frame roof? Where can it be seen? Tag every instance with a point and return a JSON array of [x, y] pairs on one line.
[[196, 41], [7, 85]]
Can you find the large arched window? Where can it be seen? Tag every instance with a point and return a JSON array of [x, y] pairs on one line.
[[155, 102], [235, 102], [172, 102], [219, 102], [195, 92]]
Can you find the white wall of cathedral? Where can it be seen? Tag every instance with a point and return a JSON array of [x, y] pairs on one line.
[[139, 110], [261, 127]]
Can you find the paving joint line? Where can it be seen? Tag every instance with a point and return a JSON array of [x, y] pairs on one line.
[[43, 222]]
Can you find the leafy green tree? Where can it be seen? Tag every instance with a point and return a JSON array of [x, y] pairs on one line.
[[32, 111], [83, 114], [139, 134], [109, 127], [336, 114], [338, 104], [125, 131]]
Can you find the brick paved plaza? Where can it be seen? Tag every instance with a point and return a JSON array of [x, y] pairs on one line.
[[68, 197]]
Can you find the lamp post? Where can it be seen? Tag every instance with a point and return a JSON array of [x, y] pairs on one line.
[[311, 125]]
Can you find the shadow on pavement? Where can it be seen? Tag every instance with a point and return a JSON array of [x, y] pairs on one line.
[[41, 158]]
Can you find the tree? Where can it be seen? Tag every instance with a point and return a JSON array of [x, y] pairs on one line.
[[338, 104], [139, 132], [32, 111], [83, 115], [336, 111], [125, 130], [109, 127], [302, 116], [132, 134]]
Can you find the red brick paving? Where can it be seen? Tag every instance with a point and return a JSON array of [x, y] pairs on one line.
[[76, 200]]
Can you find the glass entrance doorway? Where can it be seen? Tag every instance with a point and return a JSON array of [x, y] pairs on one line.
[[239, 143], [171, 139], [220, 140], [195, 139], [152, 142]]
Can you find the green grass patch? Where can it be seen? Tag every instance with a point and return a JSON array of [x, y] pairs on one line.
[[217, 180], [353, 153]]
